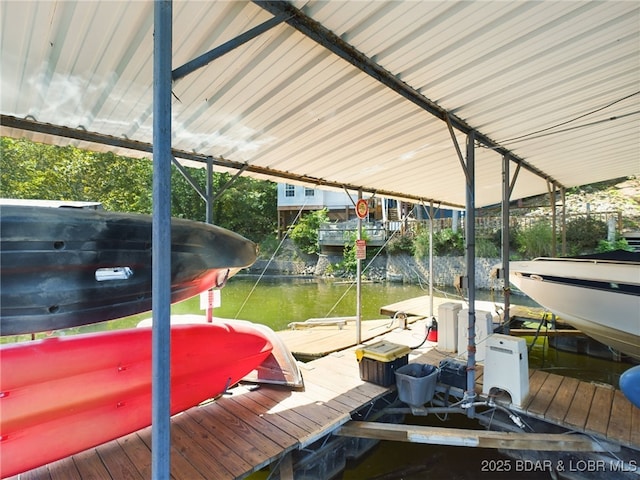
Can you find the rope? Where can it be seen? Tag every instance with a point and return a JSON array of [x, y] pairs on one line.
[[284, 237]]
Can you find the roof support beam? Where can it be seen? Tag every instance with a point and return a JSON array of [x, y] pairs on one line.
[[190, 180], [7, 121], [226, 47], [329, 40], [231, 181], [458, 151]]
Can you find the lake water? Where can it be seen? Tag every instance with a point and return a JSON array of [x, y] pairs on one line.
[[277, 301]]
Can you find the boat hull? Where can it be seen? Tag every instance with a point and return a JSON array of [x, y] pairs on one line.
[[63, 395], [279, 368], [630, 385], [65, 267], [602, 299]]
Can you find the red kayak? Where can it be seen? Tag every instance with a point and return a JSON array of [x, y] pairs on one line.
[[62, 395]]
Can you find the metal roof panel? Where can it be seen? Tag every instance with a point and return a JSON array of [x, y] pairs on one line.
[[557, 83]]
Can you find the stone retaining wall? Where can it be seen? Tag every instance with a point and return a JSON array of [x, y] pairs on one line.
[[397, 268]]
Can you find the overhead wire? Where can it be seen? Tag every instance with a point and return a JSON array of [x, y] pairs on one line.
[[566, 122], [284, 237], [335, 305]]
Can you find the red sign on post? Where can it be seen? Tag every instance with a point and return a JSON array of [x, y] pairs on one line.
[[361, 249], [362, 208]]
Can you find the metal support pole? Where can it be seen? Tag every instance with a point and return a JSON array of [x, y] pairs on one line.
[[431, 259], [359, 284], [506, 194], [564, 220], [551, 187], [161, 242], [209, 187], [471, 271]]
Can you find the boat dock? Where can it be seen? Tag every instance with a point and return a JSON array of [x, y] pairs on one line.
[[237, 434], [308, 341], [254, 427], [590, 408]]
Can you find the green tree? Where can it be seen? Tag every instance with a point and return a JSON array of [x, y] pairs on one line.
[[30, 170], [584, 234], [305, 233], [33, 170], [448, 242], [535, 241]]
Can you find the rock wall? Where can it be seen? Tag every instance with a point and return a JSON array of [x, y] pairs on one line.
[[407, 269], [394, 268]]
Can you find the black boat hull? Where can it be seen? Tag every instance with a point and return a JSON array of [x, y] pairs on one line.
[[66, 267]]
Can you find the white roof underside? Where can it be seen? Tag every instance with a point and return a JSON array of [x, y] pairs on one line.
[[554, 82]]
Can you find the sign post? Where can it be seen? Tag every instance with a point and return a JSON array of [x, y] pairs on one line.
[[210, 299], [361, 249], [362, 210]]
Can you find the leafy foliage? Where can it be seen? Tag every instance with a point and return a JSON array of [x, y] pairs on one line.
[[448, 242], [535, 241], [618, 244], [487, 248], [400, 244], [33, 170], [305, 233], [421, 244], [584, 234], [349, 263]]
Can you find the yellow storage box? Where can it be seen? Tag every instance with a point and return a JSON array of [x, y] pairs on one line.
[[379, 361]]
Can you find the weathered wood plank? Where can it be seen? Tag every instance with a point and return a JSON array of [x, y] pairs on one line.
[[341, 376], [90, 465], [64, 469], [252, 445], [340, 402], [321, 340], [289, 407], [579, 411], [210, 455], [562, 400], [536, 380], [600, 411], [543, 398], [278, 436], [117, 462], [313, 413], [621, 417], [255, 404], [181, 467], [473, 438], [41, 473], [137, 451]]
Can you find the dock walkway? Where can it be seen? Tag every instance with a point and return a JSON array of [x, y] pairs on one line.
[[584, 407], [318, 341], [237, 434], [240, 433]]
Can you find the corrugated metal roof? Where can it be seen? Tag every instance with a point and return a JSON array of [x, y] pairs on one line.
[[556, 83]]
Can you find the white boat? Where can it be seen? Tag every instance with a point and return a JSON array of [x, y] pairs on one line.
[[597, 294]]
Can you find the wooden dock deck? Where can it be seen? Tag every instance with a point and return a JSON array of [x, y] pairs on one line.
[[590, 408], [240, 433], [318, 341], [237, 434], [420, 306]]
